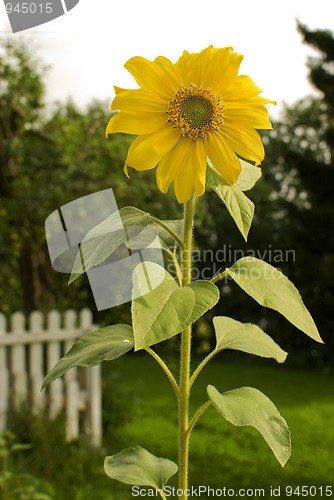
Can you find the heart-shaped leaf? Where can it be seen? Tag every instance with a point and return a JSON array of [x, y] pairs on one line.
[[160, 312], [248, 406], [270, 288], [232, 334], [139, 467], [105, 344]]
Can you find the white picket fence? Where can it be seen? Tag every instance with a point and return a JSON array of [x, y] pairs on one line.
[[28, 350]]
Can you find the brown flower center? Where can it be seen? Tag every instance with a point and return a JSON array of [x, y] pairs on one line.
[[196, 112]]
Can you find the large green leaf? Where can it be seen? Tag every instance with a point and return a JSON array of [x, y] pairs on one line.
[[232, 334], [105, 344], [249, 407], [249, 176], [270, 288], [160, 311], [139, 467], [240, 207], [106, 237]]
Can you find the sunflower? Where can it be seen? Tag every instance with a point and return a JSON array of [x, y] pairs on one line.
[[185, 112]]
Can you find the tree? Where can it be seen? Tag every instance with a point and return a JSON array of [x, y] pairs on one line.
[[294, 214], [44, 164]]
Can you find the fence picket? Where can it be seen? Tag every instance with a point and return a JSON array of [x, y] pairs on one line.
[[53, 354], [36, 363], [4, 376], [94, 413], [72, 390], [18, 361]]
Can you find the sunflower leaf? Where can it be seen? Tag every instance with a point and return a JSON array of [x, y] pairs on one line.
[[249, 407], [106, 237], [231, 334], [249, 175], [162, 309], [105, 344], [239, 206], [139, 467], [270, 288]]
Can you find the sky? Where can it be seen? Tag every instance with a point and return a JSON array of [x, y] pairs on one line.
[[87, 48]]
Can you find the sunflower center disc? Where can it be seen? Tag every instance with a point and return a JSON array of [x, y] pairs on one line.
[[196, 112]]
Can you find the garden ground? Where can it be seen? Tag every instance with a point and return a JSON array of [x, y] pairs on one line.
[[140, 409]]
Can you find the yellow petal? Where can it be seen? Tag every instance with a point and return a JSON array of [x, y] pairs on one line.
[[245, 142], [192, 176], [248, 116], [198, 67], [182, 67], [151, 77], [139, 101], [170, 70], [130, 123], [226, 77], [252, 101], [172, 164], [184, 184], [118, 90], [223, 158], [241, 88], [199, 165], [219, 70], [146, 151]]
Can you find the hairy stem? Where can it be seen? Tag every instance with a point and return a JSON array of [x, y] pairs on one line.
[[201, 366], [177, 268], [218, 277], [169, 230], [185, 354], [197, 415], [165, 369]]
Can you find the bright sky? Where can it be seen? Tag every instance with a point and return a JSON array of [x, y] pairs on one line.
[[88, 46]]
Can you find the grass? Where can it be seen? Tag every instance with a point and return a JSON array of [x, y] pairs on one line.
[[140, 409], [221, 454]]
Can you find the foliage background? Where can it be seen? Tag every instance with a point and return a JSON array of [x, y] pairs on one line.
[[49, 157]]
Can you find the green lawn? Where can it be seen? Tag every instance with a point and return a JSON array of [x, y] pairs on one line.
[[140, 409], [221, 454]]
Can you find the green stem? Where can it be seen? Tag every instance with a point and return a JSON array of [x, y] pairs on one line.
[[185, 354], [169, 230], [218, 277], [163, 495], [197, 415], [165, 369], [177, 268], [201, 366]]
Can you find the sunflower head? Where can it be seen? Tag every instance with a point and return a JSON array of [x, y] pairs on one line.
[[186, 112]]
